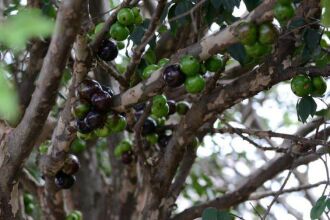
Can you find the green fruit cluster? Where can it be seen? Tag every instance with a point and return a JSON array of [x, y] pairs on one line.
[[160, 107], [283, 10], [303, 85], [190, 66], [29, 203], [74, 215], [127, 18], [257, 39]]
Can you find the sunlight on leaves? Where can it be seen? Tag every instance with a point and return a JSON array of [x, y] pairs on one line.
[[19, 28], [326, 15]]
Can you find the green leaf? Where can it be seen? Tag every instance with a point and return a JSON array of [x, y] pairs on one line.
[[9, 108], [296, 23], [306, 106], [183, 7], [223, 215], [328, 203], [237, 52], [326, 15], [312, 38], [216, 4], [318, 208], [251, 4], [138, 32], [230, 4], [19, 28], [210, 214]]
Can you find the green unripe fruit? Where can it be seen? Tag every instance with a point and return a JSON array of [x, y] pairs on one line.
[[80, 109], [72, 216], [138, 19], [125, 16], [119, 32], [103, 132], [247, 33], [283, 13], [116, 123], [301, 85], [189, 65], [203, 69], [120, 45], [29, 208], [267, 33], [160, 111], [149, 70], [152, 138], [85, 137], [78, 213], [182, 107], [214, 64], [257, 50], [159, 100], [28, 198], [194, 84], [163, 62], [98, 27], [319, 86], [78, 146], [136, 11], [122, 147], [194, 143]]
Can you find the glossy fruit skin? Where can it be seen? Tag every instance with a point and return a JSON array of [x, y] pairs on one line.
[[247, 33], [64, 181], [172, 107], [148, 126], [120, 45], [103, 132], [159, 100], [173, 76], [29, 208], [189, 65], [71, 165], [116, 123], [125, 16], [283, 13], [98, 27], [138, 19], [319, 86], [83, 127], [72, 216], [78, 146], [149, 70], [94, 120], [101, 101], [136, 11], [108, 50], [214, 64], [28, 198], [301, 85], [122, 147], [80, 109], [162, 62], [182, 107], [108, 90], [160, 111], [85, 137], [119, 32], [194, 84], [87, 88], [267, 33], [256, 50], [127, 157]]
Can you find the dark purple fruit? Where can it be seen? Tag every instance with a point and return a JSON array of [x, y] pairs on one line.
[[71, 165], [127, 157], [139, 107], [64, 181], [82, 127], [149, 126], [108, 90], [163, 140], [108, 50], [87, 88], [95, 120], [101, 100], [173, 76], [172, 107]]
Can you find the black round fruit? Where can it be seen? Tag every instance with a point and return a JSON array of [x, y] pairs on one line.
[[95, 120], [127, 157], [173, 76], [149, 126], [87, 88], [82, 127], [71, 165], [64, 181], [108, 90], [101, 100], [172, 107], [139, 107], [108, 50], [163, 140]]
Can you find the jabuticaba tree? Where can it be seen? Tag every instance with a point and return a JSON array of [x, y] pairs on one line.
[[108, 104]]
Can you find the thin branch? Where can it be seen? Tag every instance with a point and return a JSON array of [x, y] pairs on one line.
[[111, 70]]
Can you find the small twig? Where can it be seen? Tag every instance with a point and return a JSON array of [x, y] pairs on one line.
[[199, 4], [277, 195], [148, 35], [254, 208], [257, 196], [111, 69]]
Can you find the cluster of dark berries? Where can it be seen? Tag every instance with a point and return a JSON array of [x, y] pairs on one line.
[[64, 179], [92, 111]]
